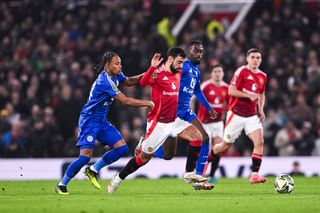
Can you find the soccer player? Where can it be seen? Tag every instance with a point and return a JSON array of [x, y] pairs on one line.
[[216, 92], [93, 123], [162, 120], [189, 86], [247, 98]]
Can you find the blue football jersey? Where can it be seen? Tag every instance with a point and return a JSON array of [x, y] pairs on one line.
[[101, 94], [189, 84]]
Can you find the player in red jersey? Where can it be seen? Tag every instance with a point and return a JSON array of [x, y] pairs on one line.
[[216, 92], [247, 98], [162, 120]]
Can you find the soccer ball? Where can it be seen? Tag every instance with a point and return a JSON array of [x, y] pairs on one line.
[[283, 183]]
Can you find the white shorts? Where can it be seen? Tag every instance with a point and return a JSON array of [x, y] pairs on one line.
[[235, 124], [214, 129], [158, 132]]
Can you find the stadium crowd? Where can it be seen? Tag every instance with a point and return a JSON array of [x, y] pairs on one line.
[[48, 51]]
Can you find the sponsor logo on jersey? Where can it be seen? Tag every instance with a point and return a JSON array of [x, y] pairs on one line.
[[165, 78], [187, 90], [250, 77], [170, 93], [212, 92], [193, 83], [254, 87], [173, 85]]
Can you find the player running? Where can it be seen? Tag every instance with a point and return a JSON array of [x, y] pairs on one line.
[[93, 124], [162, 120], [247, 98], [216, 92]]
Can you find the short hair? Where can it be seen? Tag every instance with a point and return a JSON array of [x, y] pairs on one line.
[[217, 65], [175, 52], [193, 42], [254, 50]]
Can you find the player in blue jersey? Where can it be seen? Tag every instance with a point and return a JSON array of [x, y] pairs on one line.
[[93, 124], [190, 85]]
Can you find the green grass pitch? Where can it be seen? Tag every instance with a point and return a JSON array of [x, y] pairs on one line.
[[162, 195]]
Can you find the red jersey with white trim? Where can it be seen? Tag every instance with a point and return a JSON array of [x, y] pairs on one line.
[[217, 96], [248, 82], [165, 87]]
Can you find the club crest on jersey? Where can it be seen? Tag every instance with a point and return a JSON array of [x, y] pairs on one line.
[[89, 138], [165, 78], [150, 149], [173, 85], [254, 87], [261, 80]]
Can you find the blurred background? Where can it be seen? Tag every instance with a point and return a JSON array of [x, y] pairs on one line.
[[48, 50]]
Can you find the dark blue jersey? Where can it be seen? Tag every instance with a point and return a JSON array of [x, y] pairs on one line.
[[189, 85], [101, 94]]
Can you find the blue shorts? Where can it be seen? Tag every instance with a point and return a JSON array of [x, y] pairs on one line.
[[92, 129], [187, 115]]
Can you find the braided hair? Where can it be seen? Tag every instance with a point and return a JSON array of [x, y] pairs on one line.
[[106, 58]]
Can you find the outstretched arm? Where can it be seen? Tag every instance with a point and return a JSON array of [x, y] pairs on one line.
[[155, 62], [133, 80], [134, 102]]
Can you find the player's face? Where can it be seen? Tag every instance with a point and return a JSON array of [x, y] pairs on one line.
[[114, 67], [254, 60], [176, 64], [217, 74], [196, 53]]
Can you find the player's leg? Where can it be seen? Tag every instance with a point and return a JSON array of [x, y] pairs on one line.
[[109, 135], [256, 137], [73, 169], [133, 165], [214, 159], [233, 128], [169, 148], [86, 139], [155, 137], [191, 133], [204, 151]]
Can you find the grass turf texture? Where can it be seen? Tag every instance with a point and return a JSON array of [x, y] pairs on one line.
[[162, 195]]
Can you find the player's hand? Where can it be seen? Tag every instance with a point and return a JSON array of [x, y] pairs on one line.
[[254, 97], [150, 105], [213, 113], [156, 60], [261, 116]]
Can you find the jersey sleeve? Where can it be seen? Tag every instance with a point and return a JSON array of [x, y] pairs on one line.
[[148, 77], [121, 77], [236, 79], [110, 88], [200, 96]]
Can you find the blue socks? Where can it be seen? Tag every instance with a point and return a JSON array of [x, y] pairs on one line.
[[73, 169], [110, 157], [203, 157], [159, 153]]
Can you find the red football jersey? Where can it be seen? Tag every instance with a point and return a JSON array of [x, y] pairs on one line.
[[249, 82], [165, 87], [217, 96]]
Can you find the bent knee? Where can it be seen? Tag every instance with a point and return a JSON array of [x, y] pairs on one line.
[[122, 150]]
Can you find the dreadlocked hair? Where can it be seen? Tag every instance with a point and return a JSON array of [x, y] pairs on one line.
[[106, 58]]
